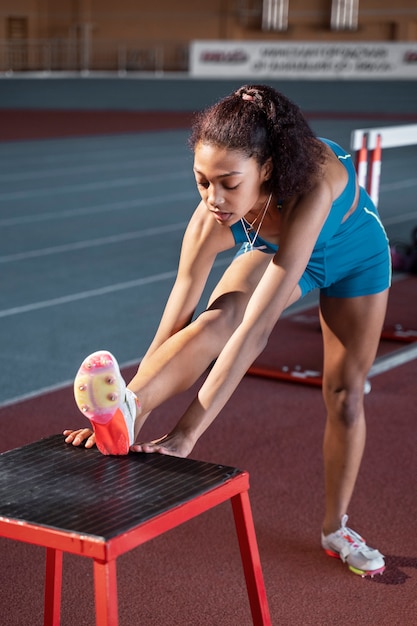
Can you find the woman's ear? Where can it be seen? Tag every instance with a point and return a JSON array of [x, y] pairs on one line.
[[266, 170]]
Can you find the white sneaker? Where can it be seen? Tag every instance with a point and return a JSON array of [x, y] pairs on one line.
[[101, 395], [348, 546]]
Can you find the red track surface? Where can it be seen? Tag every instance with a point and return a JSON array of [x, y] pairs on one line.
[[274, 430], [192, 575], [44, 124]]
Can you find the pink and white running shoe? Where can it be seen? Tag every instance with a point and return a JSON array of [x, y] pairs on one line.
[[101, 395], [347, 545]]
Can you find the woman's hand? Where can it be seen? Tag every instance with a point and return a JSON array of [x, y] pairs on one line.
[[77, 437], [173, 444]]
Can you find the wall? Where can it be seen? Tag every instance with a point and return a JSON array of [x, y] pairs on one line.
[[217, 19], [142, 36]]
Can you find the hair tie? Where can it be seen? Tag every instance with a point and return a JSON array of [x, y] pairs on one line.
[[247, 96]]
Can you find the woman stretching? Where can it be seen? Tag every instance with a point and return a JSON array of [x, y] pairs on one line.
[[293, 204]]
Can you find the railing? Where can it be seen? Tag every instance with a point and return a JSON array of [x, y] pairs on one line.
[[70, 55]]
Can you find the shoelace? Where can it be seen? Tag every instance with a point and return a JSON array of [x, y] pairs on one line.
[[355, 541]]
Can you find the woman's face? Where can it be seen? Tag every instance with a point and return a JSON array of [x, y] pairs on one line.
[[230, 184]]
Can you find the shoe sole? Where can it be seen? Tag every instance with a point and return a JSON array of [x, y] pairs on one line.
[[112, 438], [99, 392], [355, 570]]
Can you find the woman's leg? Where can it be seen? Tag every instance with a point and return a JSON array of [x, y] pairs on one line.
[[185, 356], [351, 333], [172, 368]]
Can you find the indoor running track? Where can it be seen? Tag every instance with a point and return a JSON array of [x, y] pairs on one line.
[[90, 236]]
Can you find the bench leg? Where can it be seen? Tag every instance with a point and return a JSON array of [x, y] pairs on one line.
[[105, 585], [250, 559], [53, 586]]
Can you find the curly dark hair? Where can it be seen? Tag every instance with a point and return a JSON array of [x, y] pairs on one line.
[[260, 122]]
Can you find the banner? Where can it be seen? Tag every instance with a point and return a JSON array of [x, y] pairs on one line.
[[310, 60]]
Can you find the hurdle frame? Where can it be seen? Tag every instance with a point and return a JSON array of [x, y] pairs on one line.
[[368, 144]]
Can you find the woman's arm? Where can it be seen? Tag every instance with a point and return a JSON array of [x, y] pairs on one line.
[[299, 232], [203, 240]]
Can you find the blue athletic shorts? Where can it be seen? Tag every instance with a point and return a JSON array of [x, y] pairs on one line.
[[356, 261]]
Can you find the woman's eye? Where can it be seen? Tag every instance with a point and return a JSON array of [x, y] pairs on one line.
[[206, 185]]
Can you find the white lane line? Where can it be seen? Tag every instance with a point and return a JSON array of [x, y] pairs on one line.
[[297, 307], [125, 164], [381, 365], [100, 208], [35, 394], [394, 359], [100, 291], [83, 295], [57, 387], [105, 184], [92, 243], [109, 151]]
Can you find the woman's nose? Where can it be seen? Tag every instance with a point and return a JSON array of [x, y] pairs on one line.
[[214, 196]]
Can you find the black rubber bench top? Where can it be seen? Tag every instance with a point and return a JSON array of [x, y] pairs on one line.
[[52, 484]]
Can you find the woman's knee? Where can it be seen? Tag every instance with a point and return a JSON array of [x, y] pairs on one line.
[[217, 323], [344, 403]]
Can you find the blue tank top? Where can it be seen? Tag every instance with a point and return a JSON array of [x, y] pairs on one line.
[[338, 209]]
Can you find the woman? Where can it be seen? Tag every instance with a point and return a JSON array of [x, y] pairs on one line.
[[293, 203]]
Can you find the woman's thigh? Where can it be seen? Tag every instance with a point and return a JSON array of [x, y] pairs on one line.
[[233, 291], [239, 282], [351, 330]]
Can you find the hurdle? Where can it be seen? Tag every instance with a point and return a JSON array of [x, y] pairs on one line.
[[367, 144], [399, 333], [314, 378]]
